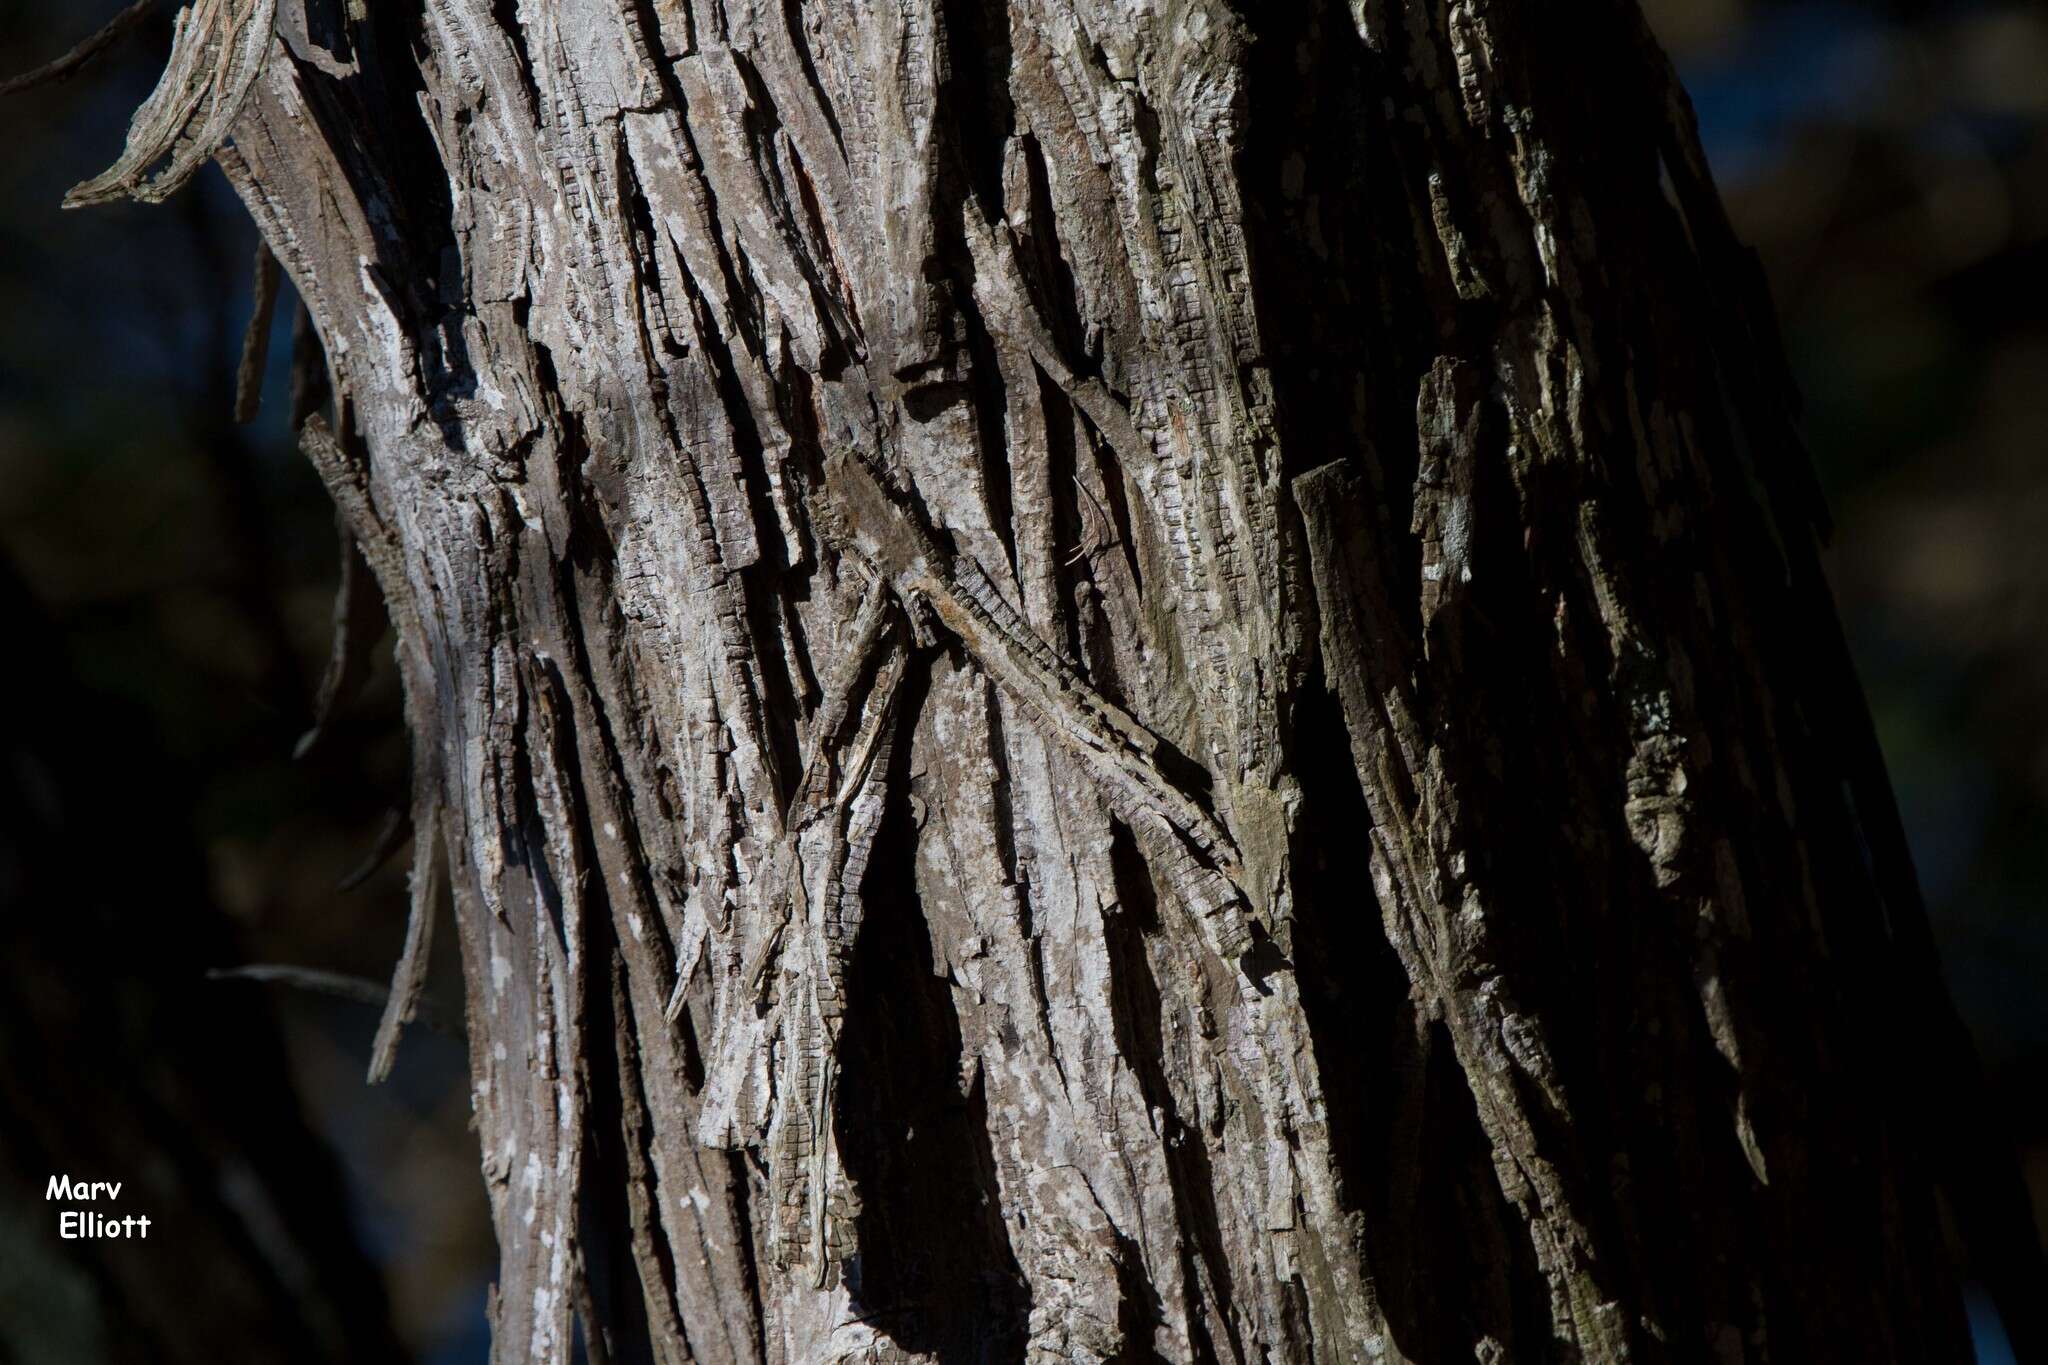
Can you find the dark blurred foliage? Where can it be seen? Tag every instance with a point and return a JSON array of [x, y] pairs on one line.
[[119, 1058], [1890, 162], [190, 566]]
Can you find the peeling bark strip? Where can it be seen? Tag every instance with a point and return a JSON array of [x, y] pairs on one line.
[[1101, 682], [218, 49]]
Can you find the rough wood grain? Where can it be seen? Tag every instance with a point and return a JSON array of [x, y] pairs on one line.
[[1108, 682]]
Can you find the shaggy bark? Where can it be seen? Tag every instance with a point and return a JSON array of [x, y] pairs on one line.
[[1106, 682]]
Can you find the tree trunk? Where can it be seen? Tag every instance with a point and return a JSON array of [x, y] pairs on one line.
[[1105, 681]]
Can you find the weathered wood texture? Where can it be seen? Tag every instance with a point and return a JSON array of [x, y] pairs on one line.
[[1107, 681]]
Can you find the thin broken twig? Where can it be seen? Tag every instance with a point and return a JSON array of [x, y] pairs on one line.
[[256, 341], [355, 989], [81, 56], [397, 828]]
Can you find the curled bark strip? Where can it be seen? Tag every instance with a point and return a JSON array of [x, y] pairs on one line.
[[797, 980], [310, 387], [256, 341], [79, 57], [1007, 298], [348, 483], [394, 831], [338, 985], [217, 52], [1199, 859], [862, 654], [358, 622], [410, 976], [595, 1343]]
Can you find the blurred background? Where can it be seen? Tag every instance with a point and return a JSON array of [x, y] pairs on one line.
[[184, 568], [1890, 162]]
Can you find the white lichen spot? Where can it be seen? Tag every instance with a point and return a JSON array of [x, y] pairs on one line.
[[379, 317], [530, 1183], [1457, 527], [542, 1344], [531, 521]]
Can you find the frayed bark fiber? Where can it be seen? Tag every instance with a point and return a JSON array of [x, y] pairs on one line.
[[1106, 682]]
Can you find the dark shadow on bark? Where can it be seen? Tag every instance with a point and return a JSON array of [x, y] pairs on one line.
[[934, 1270], [605, 1233], [1444, 1247], [976, 94], [1139, 1310], [990, 398], [405, 176], [1141, 1040], [1352, 987], [1476, 1251]]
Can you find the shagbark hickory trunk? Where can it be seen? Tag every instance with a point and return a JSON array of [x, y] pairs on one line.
[[1104, 681]]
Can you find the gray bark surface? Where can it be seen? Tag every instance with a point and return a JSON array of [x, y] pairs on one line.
[[1105, 682]]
